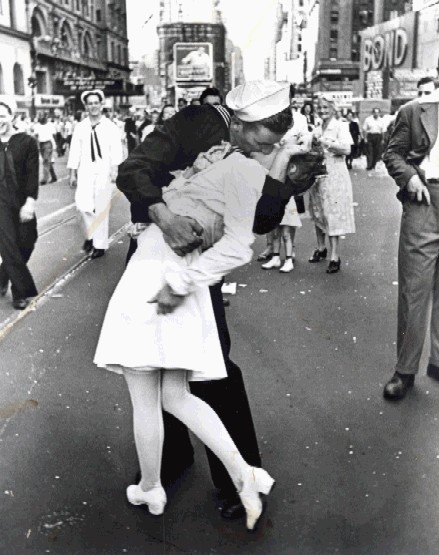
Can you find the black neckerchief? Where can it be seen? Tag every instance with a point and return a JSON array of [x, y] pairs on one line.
[[98, 147]]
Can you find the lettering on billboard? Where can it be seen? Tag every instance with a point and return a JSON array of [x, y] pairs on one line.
[[193, 61], [385, 50]]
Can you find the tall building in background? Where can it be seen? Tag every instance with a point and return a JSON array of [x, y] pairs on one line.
[[78, 44], [15, 61], [385, 10], [337, 55], [192, 49]]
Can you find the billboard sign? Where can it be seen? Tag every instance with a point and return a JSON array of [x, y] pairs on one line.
[[193, 61], [389, 44]]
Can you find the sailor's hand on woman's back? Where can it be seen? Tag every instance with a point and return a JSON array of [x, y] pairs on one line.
[[182, 234]]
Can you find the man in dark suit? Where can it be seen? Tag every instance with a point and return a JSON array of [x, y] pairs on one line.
[[412, 159]]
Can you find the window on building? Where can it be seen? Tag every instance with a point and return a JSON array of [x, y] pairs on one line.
[[98, 16], [334, 16], [333, 53], [333, 35], [41, 82], [119, 54], [99, 48], [85, 8], [18, 79], [113, 52], [78, 5]]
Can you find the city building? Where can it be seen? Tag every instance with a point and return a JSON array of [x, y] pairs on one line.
[[76, 45], [336, 67], [192, 49], [15, 61], [398, 52]]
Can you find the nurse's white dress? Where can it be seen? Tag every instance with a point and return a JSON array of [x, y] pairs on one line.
[[222, 198]]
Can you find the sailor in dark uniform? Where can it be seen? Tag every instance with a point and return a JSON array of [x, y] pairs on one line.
[[19, 166], [174, 146]]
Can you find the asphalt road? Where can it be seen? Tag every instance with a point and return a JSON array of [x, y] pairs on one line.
[[355, 474]]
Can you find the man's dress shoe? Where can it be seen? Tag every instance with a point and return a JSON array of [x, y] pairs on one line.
[[20, 304], [433, 371], [97, 253], [396, 388], [231, 507]]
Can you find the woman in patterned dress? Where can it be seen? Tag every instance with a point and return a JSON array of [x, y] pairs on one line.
[[330, 198]]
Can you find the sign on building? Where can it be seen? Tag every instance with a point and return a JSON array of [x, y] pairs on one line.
[[193, 61], [49, 101], [389, 44]]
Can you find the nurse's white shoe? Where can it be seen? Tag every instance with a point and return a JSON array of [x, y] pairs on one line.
[[254, 482], [154, 498]]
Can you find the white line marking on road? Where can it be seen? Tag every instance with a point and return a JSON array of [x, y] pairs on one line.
[[55, 214], [9, 323]]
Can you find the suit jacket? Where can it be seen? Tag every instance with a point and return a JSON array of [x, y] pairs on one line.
[[24, 150], [414, 134]]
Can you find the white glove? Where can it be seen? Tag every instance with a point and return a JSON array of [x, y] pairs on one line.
[[27, 211]]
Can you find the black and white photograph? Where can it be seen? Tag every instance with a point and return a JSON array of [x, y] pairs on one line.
[[219, 277]]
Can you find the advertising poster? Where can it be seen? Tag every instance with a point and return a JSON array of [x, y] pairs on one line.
[[193, 61]]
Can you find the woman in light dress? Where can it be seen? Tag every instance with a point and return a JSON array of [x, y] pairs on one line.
[[330, 198], [159, 346]]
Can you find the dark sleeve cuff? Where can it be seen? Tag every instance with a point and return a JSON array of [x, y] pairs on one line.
[[271, 206]]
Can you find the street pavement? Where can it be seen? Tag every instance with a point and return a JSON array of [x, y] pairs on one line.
[[355, 474]]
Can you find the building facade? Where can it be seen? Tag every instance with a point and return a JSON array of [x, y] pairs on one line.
[[193, 50], [15, 60], [398, 52], [76, 45]]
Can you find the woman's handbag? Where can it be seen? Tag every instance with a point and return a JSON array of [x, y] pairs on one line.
[[305, 168]]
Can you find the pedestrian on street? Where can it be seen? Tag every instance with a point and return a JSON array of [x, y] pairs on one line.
[[19, 172], [45, 134], [95, 153], [373, 130], [131, 130], [219, 193], [211, 95], [307, 110], [412, 159], [354, 130], [141, 177], [166, 113], [330, 198], [291, 220], [286, 234]]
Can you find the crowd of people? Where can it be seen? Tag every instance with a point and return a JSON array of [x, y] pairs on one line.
[[203, 181]]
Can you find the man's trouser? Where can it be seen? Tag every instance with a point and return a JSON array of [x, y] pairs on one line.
[[17, 242], [418, 281], [229, 400], [374, 141]]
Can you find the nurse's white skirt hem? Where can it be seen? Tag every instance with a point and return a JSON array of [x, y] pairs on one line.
[[133, 335]]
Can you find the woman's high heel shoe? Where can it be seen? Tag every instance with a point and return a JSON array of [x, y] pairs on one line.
[[155, 498], [334, 266], [256, 481]]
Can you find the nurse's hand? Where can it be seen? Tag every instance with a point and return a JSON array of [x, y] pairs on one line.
[[182, 234], [167, 301]]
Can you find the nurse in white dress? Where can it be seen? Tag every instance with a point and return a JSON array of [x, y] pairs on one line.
[[95, 153], [160, 331]]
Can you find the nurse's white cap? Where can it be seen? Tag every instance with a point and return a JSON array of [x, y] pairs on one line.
[[257, 100]]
